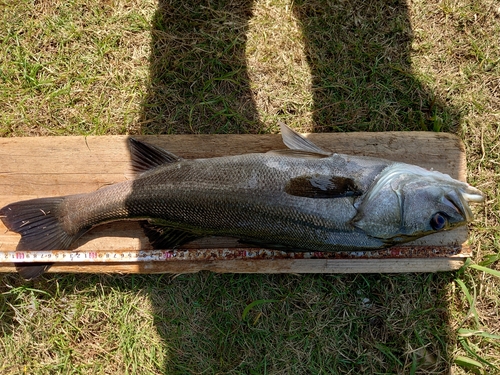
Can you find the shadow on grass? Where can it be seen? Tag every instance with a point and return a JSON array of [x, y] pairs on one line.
[[304, 324], [359, 56], [198, 74]]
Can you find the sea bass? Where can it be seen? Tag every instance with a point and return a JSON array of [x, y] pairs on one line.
[[301, 199]]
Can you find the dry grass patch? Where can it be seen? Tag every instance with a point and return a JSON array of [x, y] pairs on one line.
[[279, 72]]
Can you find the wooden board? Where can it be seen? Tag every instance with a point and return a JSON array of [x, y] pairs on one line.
[[51, 166]]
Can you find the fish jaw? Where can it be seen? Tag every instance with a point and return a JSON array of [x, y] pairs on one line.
[[460, 198], [405, 199]]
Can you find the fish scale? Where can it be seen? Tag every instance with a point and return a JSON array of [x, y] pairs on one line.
[[201, 200]]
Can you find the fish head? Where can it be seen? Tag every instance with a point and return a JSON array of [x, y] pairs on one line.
[[407, 202]]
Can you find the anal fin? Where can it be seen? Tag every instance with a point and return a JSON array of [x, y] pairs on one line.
[[166, 237], [266, 244]]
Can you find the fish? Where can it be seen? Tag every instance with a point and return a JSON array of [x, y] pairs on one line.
[[302, 198]]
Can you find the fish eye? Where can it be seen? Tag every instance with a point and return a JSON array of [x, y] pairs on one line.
[[439, 221]]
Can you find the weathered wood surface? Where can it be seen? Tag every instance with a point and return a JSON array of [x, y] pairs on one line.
[[48, 166]]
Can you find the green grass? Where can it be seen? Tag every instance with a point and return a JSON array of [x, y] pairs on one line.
[[114, 67], [201, 324]]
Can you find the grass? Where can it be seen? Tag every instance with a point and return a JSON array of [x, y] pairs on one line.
[[115, 67], [198, 324]]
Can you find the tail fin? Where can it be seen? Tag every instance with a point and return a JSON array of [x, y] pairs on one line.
[[38, 222]]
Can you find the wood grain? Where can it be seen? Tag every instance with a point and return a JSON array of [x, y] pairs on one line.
[[51, 166]]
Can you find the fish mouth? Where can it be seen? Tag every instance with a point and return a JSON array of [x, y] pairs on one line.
[[459, 200]]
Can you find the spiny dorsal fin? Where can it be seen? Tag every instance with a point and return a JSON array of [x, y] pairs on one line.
[[146, 156], [320, 186], [295, 141]]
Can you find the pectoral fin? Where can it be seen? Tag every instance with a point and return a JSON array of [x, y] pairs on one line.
[[320, 186]]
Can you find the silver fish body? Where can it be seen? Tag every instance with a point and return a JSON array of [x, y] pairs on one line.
[[301, 199], [242, 196]]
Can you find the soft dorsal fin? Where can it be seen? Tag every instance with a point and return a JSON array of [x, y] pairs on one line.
[[320, 186], [145, 156], [295, 141]]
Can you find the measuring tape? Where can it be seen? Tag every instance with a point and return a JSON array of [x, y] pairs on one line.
[[134, 256], [85, 256]]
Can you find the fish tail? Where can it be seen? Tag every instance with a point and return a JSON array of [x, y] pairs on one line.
[[39, 223]]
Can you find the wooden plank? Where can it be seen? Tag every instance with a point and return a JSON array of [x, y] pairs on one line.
[[266, 266], [48, 166]]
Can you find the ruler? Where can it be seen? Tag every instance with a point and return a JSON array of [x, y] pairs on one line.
[[64, 256], [135, 256], [123, 256]]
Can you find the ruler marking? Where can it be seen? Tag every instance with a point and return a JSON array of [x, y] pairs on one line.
[[134, 256]]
